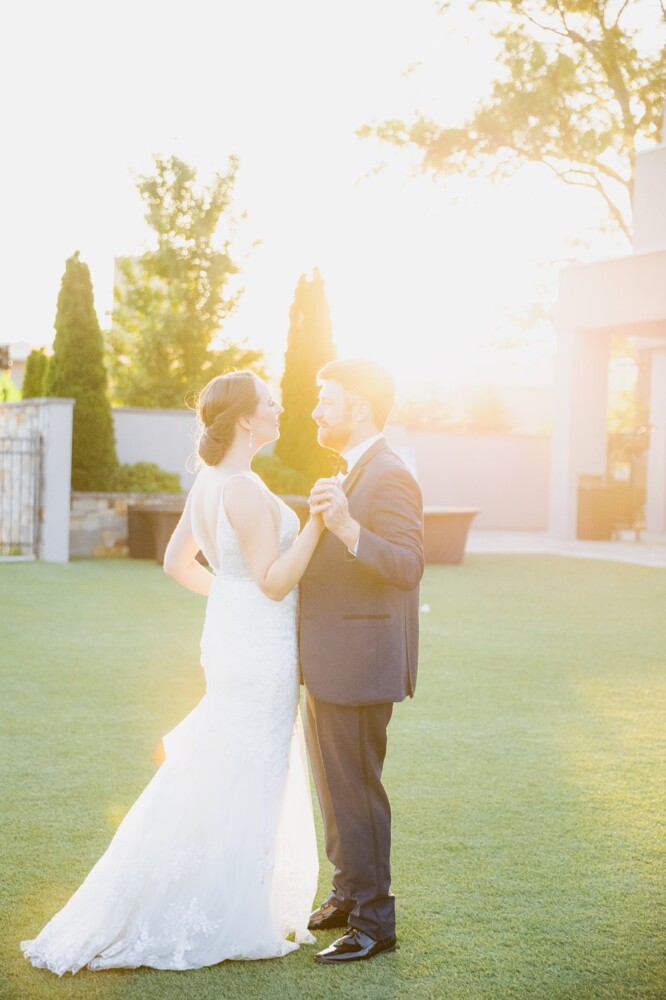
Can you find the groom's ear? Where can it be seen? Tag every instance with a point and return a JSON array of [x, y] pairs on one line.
[[361, 410]]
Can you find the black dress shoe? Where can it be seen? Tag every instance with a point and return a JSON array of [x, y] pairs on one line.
[[327, 916], [354, 947]]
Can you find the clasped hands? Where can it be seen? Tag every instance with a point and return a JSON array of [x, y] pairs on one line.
[[328, 501]]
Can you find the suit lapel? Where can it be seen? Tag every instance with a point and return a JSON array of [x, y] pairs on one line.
[[356, 473]]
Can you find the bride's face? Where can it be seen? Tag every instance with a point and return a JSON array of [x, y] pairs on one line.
[[264, 420]]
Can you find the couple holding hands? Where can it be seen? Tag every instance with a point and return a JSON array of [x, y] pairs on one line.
[[217, 858]]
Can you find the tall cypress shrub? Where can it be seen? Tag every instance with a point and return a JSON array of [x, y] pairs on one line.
[[77, 370], [309, 347], [34, 380]]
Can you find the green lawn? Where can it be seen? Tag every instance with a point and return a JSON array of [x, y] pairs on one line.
[[527, 779]]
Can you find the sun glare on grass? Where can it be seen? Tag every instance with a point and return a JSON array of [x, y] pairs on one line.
[[158, 755], [114, 814]]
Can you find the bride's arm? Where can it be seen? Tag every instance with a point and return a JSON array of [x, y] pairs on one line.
[[180, 557], [276, 573]]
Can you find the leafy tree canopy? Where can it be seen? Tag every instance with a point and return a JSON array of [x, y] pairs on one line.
[[8, 390], [171, 303], [578, 90]]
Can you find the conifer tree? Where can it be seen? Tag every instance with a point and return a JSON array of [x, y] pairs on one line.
[[77, 371], [309, 347], [34, 380]]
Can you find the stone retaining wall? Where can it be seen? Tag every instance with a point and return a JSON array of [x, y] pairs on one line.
[[98, 521]]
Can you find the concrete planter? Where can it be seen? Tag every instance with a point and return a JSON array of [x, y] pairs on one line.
[[445, 533]]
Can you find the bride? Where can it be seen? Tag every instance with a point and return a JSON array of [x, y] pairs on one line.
[[217, 857]]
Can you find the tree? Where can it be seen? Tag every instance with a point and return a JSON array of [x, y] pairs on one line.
[[77, 370], [309, 347], [34, 380], [488, 415], [427, 413], [576, 92], [9, 393], [171, 302]]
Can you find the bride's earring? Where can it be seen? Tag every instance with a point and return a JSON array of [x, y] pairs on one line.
[[251, 442]]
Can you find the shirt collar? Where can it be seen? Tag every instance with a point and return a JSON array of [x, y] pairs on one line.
[[358, 451]]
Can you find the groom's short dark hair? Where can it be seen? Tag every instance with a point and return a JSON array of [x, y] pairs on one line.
[[366, 379]]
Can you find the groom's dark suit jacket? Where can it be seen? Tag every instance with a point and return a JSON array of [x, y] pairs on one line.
[[359, 615]]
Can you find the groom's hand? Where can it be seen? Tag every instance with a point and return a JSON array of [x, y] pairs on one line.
[[328, 499]]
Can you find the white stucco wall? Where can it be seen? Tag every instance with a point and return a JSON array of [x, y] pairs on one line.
[[655, 508], [649, 209], [506, 476], [626, 295], [165, 437]]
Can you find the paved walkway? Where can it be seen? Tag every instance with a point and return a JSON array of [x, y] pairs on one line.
[[650, 551]]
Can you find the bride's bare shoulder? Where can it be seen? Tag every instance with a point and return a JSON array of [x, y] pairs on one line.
[[243, 493], [248, 502]]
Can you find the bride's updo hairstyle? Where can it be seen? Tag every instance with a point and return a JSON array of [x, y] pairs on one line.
[[220, 404]]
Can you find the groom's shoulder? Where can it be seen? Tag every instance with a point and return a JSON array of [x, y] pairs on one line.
[[392, 460], [389, 464]]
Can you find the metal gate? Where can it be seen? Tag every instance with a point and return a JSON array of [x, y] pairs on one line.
[[20, 480]]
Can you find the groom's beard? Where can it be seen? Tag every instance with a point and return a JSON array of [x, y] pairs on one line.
[[336, 438], [331, 439]]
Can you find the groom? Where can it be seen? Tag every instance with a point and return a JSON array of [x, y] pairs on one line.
[[358, 648]]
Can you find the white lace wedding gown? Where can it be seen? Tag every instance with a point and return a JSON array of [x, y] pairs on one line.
[[217, 857]]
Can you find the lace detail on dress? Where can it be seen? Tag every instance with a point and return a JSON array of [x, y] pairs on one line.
[[217, 857]]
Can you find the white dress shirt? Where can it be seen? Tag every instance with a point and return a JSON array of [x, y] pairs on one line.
[[355, 454]]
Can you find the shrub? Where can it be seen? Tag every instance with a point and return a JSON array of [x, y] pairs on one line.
[[145, 477], [309, 347], [76, 370], [280, 478], [34, 380]]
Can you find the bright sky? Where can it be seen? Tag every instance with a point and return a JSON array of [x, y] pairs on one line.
[[421, 274]]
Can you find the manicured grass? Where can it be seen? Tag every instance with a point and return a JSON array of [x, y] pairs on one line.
[[526, 779]]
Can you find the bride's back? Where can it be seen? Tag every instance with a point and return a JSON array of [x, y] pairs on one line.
[[206, 503], [212, 528]]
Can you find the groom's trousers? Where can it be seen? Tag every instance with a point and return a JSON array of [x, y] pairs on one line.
[[347, 746]]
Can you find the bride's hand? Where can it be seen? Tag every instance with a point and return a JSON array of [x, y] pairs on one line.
[[317, 503], [319, 499], [328, 499]]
